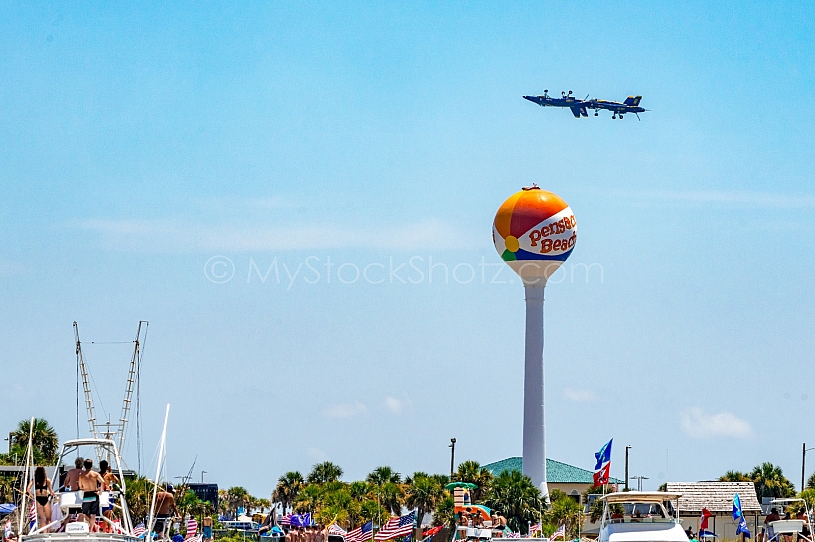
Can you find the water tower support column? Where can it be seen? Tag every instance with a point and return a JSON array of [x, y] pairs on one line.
[[534, 444]]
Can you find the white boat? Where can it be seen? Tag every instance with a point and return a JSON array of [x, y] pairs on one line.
[[78, 531], [800, 527], [644, 518]]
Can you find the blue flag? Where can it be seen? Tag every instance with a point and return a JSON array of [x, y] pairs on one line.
[[603, 456], [736, 507], [741, 528]]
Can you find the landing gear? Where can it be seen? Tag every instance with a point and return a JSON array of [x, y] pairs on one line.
[[614, 117], [621, 116], [596, 113]]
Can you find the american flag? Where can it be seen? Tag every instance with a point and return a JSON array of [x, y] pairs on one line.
[[535, 528], [32, 517], [196, 538], [192, 528], [336, 529], [286, 520], [360, 534], [561, 531], [512, 535], [139, 529], [400, 526]]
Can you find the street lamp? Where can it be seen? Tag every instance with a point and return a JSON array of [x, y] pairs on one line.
[[452, 455], [804, 451], [628, 447], [639, 480]]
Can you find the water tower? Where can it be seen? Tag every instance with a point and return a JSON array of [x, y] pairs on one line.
[[534, 232]]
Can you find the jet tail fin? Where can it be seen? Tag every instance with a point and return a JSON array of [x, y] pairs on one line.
[[633, 100]]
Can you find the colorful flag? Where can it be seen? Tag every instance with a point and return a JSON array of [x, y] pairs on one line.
[[741, 528], [192, 528], [360, 534], [535, 528], [512, 535], [561, 531], [705, 516], [336, 529], [32, 517], [300, 520], [139, 529], [7, 532], [604, 455], [400, 526], [430, 533], [601, 476], [286, 520]]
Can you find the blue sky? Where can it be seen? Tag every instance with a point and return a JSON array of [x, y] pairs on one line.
[[142, 141]]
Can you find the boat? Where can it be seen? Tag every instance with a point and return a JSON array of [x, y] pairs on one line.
[[79, 531], [800, 527], [640, 516]]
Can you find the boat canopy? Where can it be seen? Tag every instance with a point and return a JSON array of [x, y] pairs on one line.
[[88, 442], [640, 496]]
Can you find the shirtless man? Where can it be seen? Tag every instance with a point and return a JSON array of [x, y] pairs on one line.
[[72, 476], [90, 482], [165, 503], [207, 524]]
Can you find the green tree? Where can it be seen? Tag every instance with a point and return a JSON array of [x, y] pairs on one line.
[[445, 512], [45, 442], [811, 481], [324, 472], [422, 493], [474, 473], [383, 475], [516, 498], [309, 499], [288, 487], [735, 476], [139, 494], [237, 497], [564, 511], [771, 482]]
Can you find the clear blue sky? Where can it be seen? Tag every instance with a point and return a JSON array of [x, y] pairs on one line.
[[140, 141]]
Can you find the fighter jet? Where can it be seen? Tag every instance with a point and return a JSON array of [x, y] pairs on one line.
[[630, 105], [580, 107]]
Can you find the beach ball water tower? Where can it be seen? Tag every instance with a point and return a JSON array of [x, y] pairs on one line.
[[534, 232]]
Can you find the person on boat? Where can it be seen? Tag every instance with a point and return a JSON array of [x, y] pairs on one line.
[[89, 482], [110, 479], [207, 526], [72, 476], [165, 504], [42, 494]]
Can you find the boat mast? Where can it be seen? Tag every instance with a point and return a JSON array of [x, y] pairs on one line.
[[132, 377], [83, 370]]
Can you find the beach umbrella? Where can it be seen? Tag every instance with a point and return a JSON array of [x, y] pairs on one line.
[[465, 485]]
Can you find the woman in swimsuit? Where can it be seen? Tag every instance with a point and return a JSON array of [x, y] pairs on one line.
[[42, 492], [110, 479]]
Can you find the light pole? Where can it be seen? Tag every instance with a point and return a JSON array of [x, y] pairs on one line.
[[628, 447], [639, 480], [203, 472], [452, 455], [804, 451]]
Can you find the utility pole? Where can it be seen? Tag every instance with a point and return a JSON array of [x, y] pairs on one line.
[[452, 456], [628, 447], [639, 480]]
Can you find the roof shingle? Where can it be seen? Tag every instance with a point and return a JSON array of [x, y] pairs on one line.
[[715, 496]]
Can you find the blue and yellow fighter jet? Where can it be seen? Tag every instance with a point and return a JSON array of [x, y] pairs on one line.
[[580, 107]]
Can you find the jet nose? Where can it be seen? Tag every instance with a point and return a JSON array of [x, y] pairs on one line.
[[530, 98]]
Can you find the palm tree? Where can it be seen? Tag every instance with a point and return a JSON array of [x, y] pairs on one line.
[[445, 512], [138, 495], [309, 499], [45, 443], [383, 475], [564, 511], [811, 481], [263, 504], [391, 496], [422, 493], [359, 490], [324, 472], [237, 497], [734, 476], [516, 498], [288, 487], [771, 482], [474, 473]]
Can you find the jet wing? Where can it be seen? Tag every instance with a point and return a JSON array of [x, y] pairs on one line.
[[576, 111]]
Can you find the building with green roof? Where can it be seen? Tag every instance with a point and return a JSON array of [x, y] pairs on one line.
[[571, 480]]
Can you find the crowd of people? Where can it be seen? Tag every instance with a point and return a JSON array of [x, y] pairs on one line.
[[80, 478]]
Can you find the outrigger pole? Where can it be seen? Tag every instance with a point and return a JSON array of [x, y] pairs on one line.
[[158, 471], [26, 476]]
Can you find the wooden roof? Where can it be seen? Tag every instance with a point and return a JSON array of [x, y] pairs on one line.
[[715, 496]]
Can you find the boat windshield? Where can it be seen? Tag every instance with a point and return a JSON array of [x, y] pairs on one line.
[[639, 513]]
